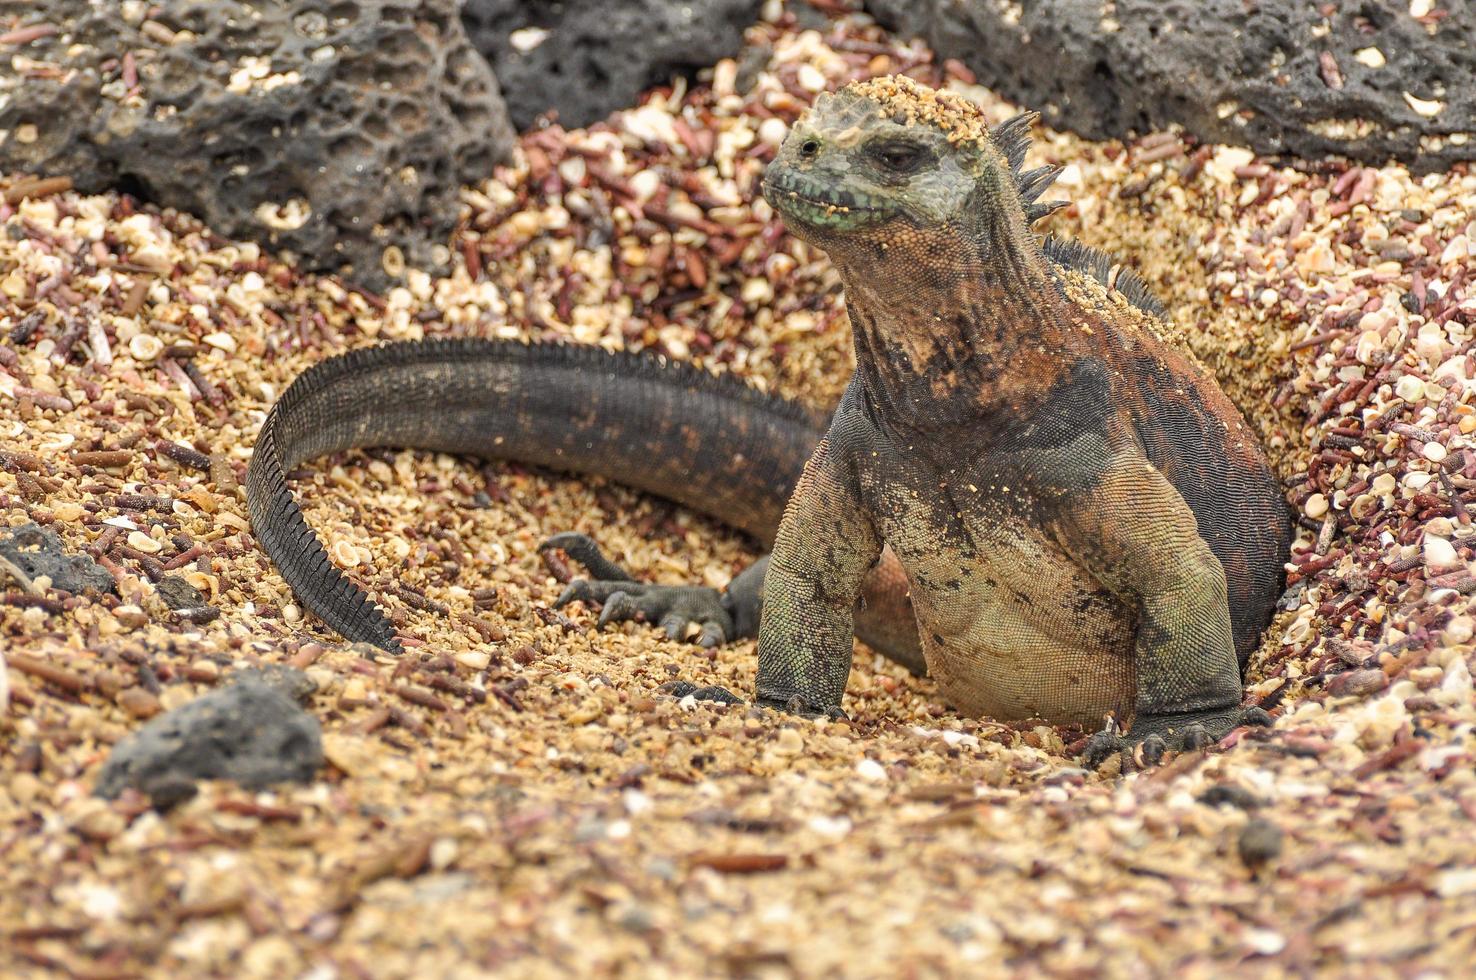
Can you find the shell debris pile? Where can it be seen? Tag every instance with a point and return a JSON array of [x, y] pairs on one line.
[[512, 795]]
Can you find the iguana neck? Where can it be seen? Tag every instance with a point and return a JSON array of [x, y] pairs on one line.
[[967, 332]]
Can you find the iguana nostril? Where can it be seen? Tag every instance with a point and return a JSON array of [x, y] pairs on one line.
[[809, 148]]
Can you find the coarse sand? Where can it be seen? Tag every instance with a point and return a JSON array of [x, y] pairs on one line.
[[514, 797]]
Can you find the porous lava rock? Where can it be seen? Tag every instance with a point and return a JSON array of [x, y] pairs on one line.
[[335, 129], [252, 732], [37, 551], [587, 58], [1373, 81]]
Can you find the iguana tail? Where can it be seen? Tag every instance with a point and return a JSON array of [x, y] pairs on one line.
[[709, 442]]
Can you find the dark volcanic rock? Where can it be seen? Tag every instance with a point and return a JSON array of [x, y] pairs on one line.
[[333, 129], [38, 551], [179, 594], [252, 732], [1260, 841], [1275, 75], [587, 58], [292, 682]]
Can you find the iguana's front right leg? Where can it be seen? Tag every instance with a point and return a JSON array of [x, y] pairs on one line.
[[825, 546], [811, 582], [884, 620]]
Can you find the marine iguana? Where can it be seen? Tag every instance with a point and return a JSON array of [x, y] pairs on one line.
[[1046, 504]]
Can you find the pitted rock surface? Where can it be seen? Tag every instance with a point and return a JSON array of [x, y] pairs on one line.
[[1367, 81], [179, 594], [587, 58], [252, 732], [37, 551], [330, 129]]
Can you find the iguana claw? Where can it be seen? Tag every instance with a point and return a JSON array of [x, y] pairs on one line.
[[582, 548], [1153, 738], [685, 689], [675, 608], [797, 705], [721, 695]]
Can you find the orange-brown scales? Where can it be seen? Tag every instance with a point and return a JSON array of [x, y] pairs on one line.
[[1087, 526]]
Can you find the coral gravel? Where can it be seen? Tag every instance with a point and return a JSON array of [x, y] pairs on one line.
[[511, 795]]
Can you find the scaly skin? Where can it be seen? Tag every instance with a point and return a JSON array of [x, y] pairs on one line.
[[1088, 527], [1079, 516]]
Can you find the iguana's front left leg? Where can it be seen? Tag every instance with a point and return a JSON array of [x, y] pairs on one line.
[[1134, 532]]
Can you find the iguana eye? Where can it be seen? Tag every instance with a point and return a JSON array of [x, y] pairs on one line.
[[897, 156]]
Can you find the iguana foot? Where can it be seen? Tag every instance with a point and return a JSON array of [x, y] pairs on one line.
[[686, 689], [797, 705], [721, 695], [1153, 736], [675, 608]]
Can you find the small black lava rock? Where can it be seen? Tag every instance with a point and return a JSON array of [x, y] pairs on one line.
[[1228, 794], [179, 594], [250, 732], [37, 551], [1259, 843]]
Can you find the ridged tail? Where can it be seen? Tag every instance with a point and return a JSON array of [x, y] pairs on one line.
[[299, 554], [708, 442]]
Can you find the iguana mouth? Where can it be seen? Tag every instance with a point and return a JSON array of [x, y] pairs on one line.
[[808, 202]]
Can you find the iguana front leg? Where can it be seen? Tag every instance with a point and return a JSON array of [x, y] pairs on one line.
[[884, 620], [825, 546], [1133, 531], [823, 550]]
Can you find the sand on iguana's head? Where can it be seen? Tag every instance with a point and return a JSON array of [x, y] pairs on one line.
[[912, 102]]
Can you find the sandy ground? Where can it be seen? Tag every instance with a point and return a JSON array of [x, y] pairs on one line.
[[513, 797]]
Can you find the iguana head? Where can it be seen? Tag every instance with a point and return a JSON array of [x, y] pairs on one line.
[[889, 163], [926, 215]]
